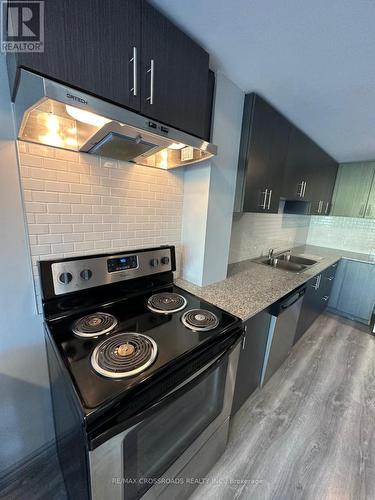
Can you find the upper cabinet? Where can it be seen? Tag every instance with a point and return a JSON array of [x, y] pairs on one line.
[[310, 173], [93, 45], [174, 74], [263, 150], [278, 161], [126, 52], [370, 207], [298, 175], [354, 194]]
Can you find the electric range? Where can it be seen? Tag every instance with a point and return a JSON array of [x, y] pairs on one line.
[[128, 351]]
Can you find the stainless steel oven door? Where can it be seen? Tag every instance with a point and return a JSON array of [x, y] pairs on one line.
[[144, 460]]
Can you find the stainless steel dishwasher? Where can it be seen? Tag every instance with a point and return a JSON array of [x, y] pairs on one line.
[[284, 318]]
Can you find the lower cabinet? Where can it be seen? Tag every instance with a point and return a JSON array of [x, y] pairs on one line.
[[250, 364], [353, 294], [316, 299]]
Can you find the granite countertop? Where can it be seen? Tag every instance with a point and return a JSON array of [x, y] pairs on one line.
[[251, 287]]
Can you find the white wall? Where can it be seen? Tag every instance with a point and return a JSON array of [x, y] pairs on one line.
[[226, 133], [209, 193], [194, 221], [25, 411], [254, 234], [344, 233]]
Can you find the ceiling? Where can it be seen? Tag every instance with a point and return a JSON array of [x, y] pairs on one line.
[[314, 60]]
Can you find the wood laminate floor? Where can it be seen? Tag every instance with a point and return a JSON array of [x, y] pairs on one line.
[[310, 432]]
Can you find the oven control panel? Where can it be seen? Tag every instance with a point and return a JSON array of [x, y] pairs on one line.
[[122, 263], [80, 274]]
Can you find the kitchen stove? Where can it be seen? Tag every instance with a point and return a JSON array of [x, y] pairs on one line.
[[124, 353]]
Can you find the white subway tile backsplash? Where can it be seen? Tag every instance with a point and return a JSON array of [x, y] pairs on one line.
[[45, 197], [74, 237], [49, 238], [63, 248], [52, 164], [60, 228], [32, 184], [81, 209], [38, 228], [80, 188], [80, 204], [47, 219], [59, 187], [58, 208]]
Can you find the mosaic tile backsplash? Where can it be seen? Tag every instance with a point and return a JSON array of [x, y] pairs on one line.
[[254, 234], [344, 233]]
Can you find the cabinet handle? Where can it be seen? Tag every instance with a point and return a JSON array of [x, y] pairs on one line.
[[269, 199], [325, 298], [317, 283], [304, 188], [300, 191], [151, 71], [320, 206], [327, 208], [362, 210], [368, 211], [243, 343], [134, 60], [264, 204]]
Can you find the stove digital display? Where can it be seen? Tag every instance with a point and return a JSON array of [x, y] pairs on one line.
[[122, 263]]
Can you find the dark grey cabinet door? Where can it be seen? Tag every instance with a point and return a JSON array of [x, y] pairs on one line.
[[310, 308], [264, 143], [250, 364], [89, 45], [322, 183], [317, 296], [310, 173], [297, 185], [174, 74]]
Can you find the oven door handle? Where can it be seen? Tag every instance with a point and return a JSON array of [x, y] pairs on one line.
[[125, 426]]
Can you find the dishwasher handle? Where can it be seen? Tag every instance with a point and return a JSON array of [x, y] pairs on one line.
[[283, 304], [293, 300]]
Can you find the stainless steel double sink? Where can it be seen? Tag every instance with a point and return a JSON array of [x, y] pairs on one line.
[[288, 262]]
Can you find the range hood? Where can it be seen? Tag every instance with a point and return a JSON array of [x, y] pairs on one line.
[[53, 114]]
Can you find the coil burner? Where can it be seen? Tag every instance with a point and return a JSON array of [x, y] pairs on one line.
[[124, 355], [166, 303], [200, 320], [94, 325]]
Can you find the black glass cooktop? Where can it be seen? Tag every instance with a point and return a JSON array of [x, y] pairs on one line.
[[173, 339]]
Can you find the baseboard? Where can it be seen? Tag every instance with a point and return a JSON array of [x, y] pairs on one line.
[[24, 467], [348, 316]]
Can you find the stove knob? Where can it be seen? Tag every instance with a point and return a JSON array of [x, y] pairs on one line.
[[65, 278], [86, 274], [165, 260], [154, 262]]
